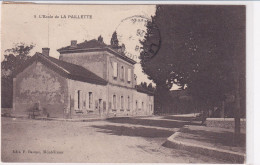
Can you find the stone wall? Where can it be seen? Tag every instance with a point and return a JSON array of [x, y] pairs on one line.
[[101, 63], [37, 84], [143, 104], [95, 62], [119, 80], [224, 123], [103, 101], [123, 103], [97, 107]]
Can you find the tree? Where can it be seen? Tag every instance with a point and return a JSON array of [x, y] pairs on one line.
[[100, 39], [114, 41], [14, 58], [202, 50], [150, 86]]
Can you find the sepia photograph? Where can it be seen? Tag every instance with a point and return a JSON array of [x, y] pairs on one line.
[[123, 83]]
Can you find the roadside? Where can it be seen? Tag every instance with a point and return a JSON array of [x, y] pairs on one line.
[[210, 141], [92, 142]]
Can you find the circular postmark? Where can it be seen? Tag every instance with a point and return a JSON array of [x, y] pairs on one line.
[[132, 31]]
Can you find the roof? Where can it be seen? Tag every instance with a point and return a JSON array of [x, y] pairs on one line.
[[94, 45], [84, 45], [65, 69]]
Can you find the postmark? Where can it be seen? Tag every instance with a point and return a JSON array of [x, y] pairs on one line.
[[132, 31]]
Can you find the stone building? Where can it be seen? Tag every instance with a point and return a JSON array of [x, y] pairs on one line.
[[89, 79]]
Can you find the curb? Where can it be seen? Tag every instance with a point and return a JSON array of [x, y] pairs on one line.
[[235, 157], [71, 120]]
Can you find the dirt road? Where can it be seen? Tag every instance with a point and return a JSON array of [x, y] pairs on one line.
[[94, 142]]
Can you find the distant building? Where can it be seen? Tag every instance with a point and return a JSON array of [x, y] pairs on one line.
[[90, 79]]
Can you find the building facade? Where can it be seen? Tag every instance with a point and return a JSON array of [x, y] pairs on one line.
[[90, 79]]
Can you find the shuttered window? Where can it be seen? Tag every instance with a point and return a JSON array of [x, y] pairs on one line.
[[115, 69], [128, 102], [90, 100], [122, 73], [77, 100], [122, 102], [129, 75], [114, 101]]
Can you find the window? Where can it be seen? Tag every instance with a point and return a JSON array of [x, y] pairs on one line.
[[142, 105], [115, 69], [77, 100], [122, 102], [128, 102], [114, 101], [90, 100], [122, 73], [129, 75], [136, 105]]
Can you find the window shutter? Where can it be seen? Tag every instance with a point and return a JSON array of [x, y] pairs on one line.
[[80, 100], [71, 102], [76, 100], [114, 102], [87, 101], [118, 103], [96, 104], [117, 72], [126, 102], [129, 75], [115, 69], [122, 73], [109, 105], [104, 105]]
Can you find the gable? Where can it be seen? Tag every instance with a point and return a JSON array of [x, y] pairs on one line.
[[64, 69]]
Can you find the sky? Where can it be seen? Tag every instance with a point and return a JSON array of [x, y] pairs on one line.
[[25, 23]]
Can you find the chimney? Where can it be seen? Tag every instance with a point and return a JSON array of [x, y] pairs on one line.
[[73, 43], [45, 51]]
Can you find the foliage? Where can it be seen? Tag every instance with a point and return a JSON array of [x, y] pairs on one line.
[[201, 47], [100, 39], [114, 41], [14, 58], [144, 86]]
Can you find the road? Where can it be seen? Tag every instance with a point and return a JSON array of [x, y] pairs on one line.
[[109, 141]]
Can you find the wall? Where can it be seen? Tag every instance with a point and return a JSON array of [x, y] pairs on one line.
[[147, 108], [98, 109], [228, 123], [39, 84], [119, 91], [93, 61], [101, 63], [118, 81]]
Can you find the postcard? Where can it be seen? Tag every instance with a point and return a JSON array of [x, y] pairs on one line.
[[123, 83]]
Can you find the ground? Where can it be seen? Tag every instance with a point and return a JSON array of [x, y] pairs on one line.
[[111, 141]]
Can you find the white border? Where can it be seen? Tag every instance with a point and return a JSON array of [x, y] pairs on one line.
[[253, 64]]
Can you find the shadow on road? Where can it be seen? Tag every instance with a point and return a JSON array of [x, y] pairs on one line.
[[151, 122], [134, 131], [223, 138], [183, 118]]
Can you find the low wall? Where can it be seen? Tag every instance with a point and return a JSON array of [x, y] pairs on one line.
[[6, 111], [228, 123]]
